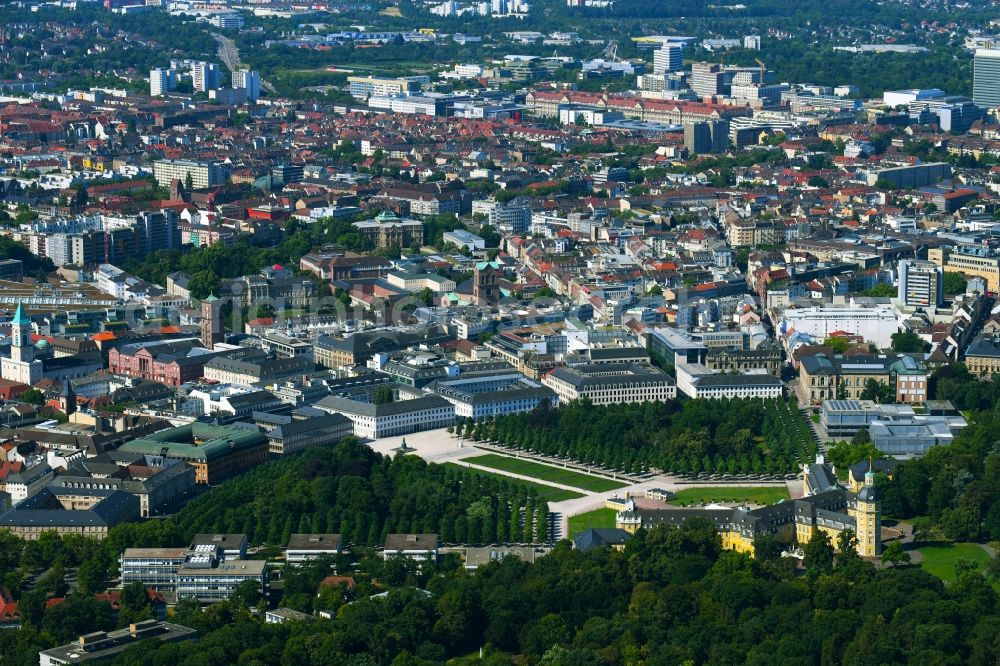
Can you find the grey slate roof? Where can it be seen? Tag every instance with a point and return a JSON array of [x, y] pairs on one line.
[[599, 537], [349, 406]]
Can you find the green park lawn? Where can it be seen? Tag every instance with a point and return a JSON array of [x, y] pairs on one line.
[[596, 518], [566, 477], [758, 495], [547, 493], [940, 558]]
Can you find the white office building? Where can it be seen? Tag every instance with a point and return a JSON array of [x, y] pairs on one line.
[[228, 20], [874, 323], [668, 58]]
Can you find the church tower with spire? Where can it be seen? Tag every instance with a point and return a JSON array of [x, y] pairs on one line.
[[22, 366]]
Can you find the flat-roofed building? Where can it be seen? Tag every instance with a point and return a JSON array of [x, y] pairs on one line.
[[203, 174], [107, 645], [208, 582], [231, 546], [971, 261], [155, 568], [911, 437]]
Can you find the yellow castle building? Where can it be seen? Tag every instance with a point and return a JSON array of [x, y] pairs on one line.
[[826, 505]]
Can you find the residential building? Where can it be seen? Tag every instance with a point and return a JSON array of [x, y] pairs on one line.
[[206, 76], [248, 80], [203, 174], [161, 81], [921, 283]]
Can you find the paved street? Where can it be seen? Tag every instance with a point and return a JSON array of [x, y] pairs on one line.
[[230, 57]]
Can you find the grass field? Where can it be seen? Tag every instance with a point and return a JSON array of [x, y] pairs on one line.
[[761, 495], [595, 518], [565, 477], [547, 493], [940, 558]]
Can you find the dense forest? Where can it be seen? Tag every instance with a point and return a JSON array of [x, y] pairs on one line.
[[690, 436], [671, 597], [353, 491], [348, 489]]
